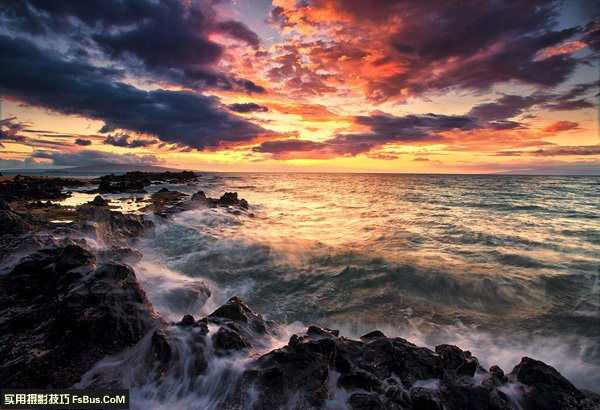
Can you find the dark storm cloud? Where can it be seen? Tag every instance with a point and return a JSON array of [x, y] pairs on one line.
[[411, 127], [83, 142], [440, 44], [592, 35], [483, 43], [288, 145], [10, 130], [509, 106], [122, 140], [95, 158], [247, 108], [385, 129], [180, 117], [239, 31], [168, 37]]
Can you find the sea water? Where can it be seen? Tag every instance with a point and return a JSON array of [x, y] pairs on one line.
[[503, 266]]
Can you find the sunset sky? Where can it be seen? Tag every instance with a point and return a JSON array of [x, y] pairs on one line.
[[438, 86]]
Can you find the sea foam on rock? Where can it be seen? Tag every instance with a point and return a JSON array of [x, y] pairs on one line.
[[321, 370]]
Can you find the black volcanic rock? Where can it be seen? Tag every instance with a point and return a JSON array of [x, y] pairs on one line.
[[12, 223], [99, 201], [545, 388], [373, 335], [228, 339], [136, 181], [322, 331], [24, 188], [199, 199], [187, 297], [111, 227], [456, 362], [119, 254], [371, 373], [60, 314], [187, 320], [240, 313]]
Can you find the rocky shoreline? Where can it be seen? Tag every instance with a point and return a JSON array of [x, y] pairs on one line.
[[68, 299]]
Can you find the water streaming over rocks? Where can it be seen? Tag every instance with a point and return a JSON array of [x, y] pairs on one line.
[[503, 266]]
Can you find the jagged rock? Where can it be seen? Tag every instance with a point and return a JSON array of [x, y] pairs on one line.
[[60, 314], [187, 320], [457, 362], [360, 379], [118, 254], [239, 312], [12, 223], [136, 181], [227, 339], [199, 199], [99, 201], [495, 378], [229, 198], [161, 352], [199, 196], [25, 188], [163, 199], [373, 335], [112, 184], [322, 331], [546, 388], [110, 226]]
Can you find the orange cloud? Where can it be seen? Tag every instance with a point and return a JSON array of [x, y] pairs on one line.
[[561, 126]]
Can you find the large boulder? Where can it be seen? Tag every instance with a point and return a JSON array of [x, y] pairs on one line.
[[237, 311], [60, 313], [545, 388]]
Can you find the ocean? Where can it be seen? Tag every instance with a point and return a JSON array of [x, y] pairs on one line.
[[503, 266]]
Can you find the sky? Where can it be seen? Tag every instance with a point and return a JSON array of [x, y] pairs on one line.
[[424, 86]]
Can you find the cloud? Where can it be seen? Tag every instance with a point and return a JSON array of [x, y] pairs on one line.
[[239, 31], [28, 163], [561, 126], [384, 129], [122, 140], [504, 125], [169, 38], [180, 117], [95, 158], [83, 142], [592, 35], [510, 105], [507, 106], [247, 108], [10, 130], [397, 49], [581, 150]]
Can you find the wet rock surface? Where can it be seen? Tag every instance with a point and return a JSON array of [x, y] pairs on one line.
[[11, 223], [25, 188], [199, 200], [60, 313], [377, 372], [136, 182]]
